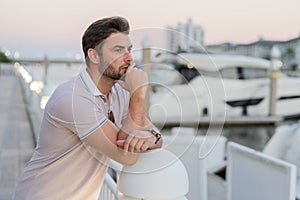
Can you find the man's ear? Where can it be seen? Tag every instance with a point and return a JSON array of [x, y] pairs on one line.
[[93, 56]]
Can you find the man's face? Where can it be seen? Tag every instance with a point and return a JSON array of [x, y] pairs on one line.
[[115, 56]]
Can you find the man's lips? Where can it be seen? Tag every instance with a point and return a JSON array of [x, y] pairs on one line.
[[125, 67]]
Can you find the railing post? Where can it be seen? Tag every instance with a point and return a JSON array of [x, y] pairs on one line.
[[275, 66], [158, 174]]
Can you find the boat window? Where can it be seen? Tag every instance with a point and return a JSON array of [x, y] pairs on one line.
[[252, 73], [243, 73], [230, 73], [188, 74]]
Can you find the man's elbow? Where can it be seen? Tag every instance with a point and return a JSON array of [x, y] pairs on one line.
[[129, 160]]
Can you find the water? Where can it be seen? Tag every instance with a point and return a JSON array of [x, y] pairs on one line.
[[250, 136], [253, 137]]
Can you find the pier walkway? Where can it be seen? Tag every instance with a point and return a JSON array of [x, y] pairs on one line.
[[16, 140]]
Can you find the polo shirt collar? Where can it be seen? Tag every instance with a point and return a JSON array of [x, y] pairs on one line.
[[89, 83]]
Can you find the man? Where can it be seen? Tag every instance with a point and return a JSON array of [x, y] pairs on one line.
[[90, 119]]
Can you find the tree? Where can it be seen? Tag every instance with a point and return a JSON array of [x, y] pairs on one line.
[[288, 57], [3, 58]]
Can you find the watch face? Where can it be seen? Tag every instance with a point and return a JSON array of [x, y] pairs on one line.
[[154, 131], [156, 134]]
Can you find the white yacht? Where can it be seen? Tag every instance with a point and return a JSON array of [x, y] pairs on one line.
[[219, 85]]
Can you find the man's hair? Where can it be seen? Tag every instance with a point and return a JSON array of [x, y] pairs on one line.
[[101, 29]]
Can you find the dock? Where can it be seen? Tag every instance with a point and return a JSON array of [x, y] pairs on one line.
[[221, 121], [16, 138]]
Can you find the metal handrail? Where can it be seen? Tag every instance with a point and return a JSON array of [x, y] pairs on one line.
[[109, 189]]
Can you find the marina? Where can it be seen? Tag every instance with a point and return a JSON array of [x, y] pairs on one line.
[[223, 96], [250, 131]]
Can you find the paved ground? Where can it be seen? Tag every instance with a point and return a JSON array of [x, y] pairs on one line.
[[16, 141]]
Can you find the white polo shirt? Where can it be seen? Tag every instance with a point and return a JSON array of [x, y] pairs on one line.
[[62, 167]]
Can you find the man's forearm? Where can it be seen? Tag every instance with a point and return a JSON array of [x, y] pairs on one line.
[[136, 118], [137, 111]]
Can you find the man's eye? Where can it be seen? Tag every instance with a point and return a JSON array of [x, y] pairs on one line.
[[118, 50]]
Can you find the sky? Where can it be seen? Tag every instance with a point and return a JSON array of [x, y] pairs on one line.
[[53, 28]]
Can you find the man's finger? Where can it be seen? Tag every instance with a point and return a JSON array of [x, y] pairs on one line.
[[127, 142], [130, 67], [145, 146], [132, 144], [121, 143], [139, 145]]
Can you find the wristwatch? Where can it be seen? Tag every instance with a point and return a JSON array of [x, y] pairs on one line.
[[156, 134]]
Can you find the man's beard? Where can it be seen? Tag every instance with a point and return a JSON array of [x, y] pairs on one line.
[[110, 71]]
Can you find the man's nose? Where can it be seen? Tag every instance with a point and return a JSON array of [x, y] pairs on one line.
[[128, 57]]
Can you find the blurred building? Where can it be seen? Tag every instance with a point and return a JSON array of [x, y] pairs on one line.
[[188, 37], [290, 50], [185, 37]]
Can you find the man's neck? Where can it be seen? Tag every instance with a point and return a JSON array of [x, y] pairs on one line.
[[103, 83]]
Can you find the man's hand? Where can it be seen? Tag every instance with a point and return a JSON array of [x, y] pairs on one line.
[[138, 141], [136, 80]]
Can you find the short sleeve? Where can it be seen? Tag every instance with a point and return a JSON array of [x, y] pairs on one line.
[[76, 110]]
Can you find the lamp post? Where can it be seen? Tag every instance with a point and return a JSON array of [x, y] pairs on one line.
[[46, 66], [276, 64], [146, 65]]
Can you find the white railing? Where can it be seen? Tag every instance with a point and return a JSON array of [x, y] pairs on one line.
[[267, 177], [109, 189]]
